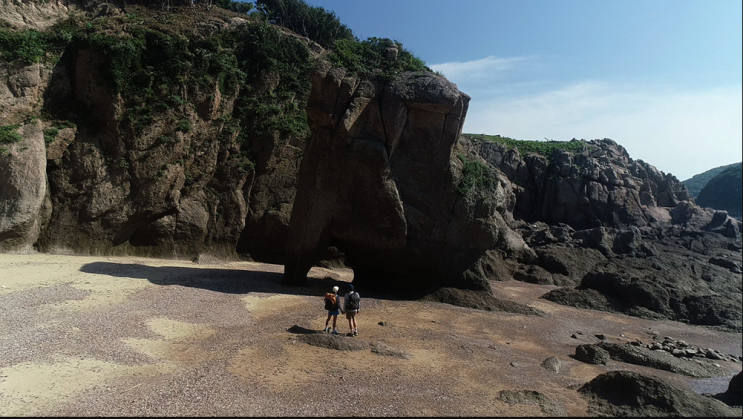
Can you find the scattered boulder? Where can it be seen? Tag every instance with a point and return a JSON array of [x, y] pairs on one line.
[[639, 355], [592, 354], [676, 284], [552, 364]]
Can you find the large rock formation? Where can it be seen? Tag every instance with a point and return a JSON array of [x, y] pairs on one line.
[[627, 393], [601, 186], [619, 235], [378, 181], [169, 179]]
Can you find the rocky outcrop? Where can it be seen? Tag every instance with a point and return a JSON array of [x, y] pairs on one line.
[[172, 183], [599, 187], [687, 272], [627, 393], [24, 199], [40, 15], [21, 91], [378, 181], [618, 235]]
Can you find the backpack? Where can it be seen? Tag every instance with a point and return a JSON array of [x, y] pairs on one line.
[[353, 301], [330, 303]]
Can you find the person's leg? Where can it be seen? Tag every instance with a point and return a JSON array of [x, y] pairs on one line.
[[351, 322], [327, 321], [335, 319]]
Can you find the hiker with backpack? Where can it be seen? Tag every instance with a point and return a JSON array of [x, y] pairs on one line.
[[333, 306], [351, 304]]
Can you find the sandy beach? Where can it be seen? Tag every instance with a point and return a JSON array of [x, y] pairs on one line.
[[113, 336]]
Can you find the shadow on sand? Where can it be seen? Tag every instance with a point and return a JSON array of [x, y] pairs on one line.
[[230, 281]]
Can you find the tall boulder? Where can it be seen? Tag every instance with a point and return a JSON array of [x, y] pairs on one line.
[[379, 179], [24, 202]]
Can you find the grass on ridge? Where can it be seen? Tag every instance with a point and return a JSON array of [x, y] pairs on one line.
[[544, 148]]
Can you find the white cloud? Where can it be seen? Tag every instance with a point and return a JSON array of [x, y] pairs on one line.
[[478, 70], [683, 132]]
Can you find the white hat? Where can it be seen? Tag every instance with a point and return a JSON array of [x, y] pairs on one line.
[[335, 288]]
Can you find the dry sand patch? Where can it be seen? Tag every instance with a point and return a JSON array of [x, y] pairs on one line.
[[29, 388]]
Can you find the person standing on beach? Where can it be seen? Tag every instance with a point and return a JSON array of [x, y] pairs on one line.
[[333, 306], [352, 306]]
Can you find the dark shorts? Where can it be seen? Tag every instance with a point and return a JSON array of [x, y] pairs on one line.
[[350, 314], [334, 312]]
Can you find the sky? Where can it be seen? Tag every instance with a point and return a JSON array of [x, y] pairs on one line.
[[660, 77]]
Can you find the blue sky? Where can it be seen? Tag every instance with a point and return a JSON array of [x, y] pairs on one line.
[[660, 77]]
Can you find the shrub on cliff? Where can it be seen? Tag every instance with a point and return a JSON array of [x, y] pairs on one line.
[[370, 57], [8, 135], [316, 23], [475, 175], [32, 46], [543, 148]]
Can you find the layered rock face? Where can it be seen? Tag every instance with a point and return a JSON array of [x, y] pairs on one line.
[[619, 235], [601, 186], [117, 189], [177, 186], [378, 181]]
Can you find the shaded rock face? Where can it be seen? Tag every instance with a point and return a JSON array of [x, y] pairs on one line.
[[118, 190], [378, 181], [109, 187], [618, 235], [677, 272]]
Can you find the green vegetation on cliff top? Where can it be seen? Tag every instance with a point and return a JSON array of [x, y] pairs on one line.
[[544, 148], [152, 56]]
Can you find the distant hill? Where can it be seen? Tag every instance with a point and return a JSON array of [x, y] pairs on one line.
[[724, 191], [697, 182]]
